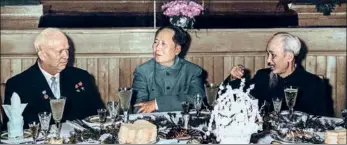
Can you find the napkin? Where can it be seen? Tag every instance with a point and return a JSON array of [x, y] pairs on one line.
[[14, 114]]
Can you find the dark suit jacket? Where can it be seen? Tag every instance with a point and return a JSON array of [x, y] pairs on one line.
[[312, 95], [30, 84], [170, 86]]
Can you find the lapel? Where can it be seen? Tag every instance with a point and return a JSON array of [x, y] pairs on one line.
[[64, 83], [40, 81]]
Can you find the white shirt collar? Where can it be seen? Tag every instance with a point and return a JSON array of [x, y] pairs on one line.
[[49, 76], [49, 81]]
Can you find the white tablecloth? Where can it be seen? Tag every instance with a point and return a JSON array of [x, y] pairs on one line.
[[67, 128]]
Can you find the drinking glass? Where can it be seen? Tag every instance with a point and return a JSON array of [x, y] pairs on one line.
[[185, 107], [102, 113], [211, 90], [125, 98], [34, 128], [112, 109], [197, 104], [57, 107], [277, 103], [45, 119], [290, 94]]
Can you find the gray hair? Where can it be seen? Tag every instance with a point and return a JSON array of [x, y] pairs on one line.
[[291, 43], [44, 35]]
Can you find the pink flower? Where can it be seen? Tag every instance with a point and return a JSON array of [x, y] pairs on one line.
[[185, 8]]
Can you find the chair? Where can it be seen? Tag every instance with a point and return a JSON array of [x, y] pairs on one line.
[[322, 77], [2, 98]]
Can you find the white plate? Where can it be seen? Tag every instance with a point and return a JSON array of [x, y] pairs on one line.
[[95, 119], [26, 134]]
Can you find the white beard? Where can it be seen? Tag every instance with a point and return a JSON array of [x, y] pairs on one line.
[[273, 80]]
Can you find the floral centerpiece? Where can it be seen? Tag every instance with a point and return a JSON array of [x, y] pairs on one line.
[[182, 12]]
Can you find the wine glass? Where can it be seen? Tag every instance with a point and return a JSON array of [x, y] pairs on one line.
[[57, 107], [125, 98], [211, 90], [277, 103], [34, 128], [45, 119], [185, 107], [290, 94], [197, 104], [102, 113], [112, 109]]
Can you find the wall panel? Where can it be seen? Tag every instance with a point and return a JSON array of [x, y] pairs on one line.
[[112, 64]]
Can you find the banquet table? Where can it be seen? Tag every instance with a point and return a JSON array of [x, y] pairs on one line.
[[68, 127]]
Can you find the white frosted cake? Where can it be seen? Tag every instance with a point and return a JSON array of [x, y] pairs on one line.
[[141, 132]]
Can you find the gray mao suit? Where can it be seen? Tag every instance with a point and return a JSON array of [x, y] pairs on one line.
[[168, 85]]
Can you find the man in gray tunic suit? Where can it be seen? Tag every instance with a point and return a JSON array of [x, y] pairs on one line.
[[164, 82]]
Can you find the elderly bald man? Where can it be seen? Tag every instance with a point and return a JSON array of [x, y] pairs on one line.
[[50, 78], [283, 49]]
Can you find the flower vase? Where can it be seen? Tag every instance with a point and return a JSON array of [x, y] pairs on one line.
[[183, 22]]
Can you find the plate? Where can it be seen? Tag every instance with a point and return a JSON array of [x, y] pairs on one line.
[[203, 112], [26, 134], [310, 137], [191, 133], [95, 119]]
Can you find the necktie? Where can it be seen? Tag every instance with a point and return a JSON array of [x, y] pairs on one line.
[[54, 87]]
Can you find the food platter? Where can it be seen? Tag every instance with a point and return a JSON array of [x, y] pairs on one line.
[[297, 136]]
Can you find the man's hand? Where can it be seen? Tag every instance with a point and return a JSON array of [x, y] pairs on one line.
[[146, 107], [237, 71]]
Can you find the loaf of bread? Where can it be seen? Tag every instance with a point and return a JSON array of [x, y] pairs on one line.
[[335, 136], [55, 140], [140, 132]]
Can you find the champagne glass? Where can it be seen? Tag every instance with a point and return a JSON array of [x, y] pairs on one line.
[[290, 94], [45, 119], [102, 117], [34, 128], [197, 104], [57, 107], [211, 90], [125, 98], [112, 109]]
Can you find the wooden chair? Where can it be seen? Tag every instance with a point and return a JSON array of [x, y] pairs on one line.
[[2, 98], [321, 76]]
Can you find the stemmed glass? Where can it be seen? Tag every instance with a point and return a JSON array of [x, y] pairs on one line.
[[45, 119], [290, 94], [112, 109], [277, 103], [197, 104], [102, 117], [211, 90], [57, 107], [185, 113], [125, 98], [34, 128]]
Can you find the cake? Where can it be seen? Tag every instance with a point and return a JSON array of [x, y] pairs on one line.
[[235, 110], [335, 136], [140, 132]]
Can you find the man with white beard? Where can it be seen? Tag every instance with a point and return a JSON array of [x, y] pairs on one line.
[[283, 49]]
